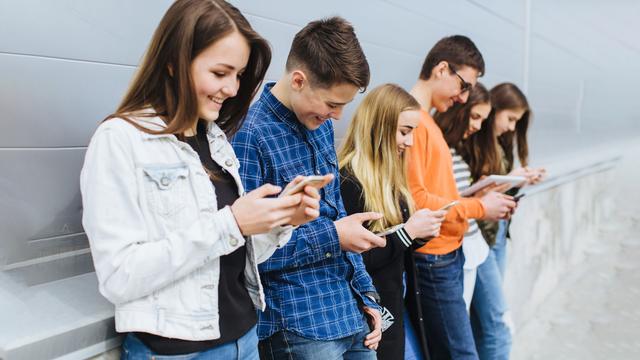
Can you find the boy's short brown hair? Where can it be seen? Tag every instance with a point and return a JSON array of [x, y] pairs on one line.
[[457, 51], [330, 54]]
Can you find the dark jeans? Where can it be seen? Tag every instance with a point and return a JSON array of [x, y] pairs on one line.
[[287, 345], [440, 278]]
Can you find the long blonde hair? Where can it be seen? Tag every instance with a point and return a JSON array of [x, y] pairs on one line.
[[369, 152]]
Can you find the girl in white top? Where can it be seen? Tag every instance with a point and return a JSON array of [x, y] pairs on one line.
[[162, 215]]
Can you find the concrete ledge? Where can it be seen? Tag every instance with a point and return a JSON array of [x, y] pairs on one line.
[[62, 319], [559, 223]]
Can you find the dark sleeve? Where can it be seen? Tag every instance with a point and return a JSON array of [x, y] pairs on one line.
[[376, 258]]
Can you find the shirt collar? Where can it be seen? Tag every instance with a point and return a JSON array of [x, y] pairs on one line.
[[283, 113]]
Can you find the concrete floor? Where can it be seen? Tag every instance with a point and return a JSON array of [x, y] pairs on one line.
[[594, 312]]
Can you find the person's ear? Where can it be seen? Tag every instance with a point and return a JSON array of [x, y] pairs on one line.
[[440, 69], [298, 80]]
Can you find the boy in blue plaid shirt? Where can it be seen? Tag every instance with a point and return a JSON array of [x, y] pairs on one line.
[[320, 300]]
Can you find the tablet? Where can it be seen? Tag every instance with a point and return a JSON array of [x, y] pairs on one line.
[[491, 179]]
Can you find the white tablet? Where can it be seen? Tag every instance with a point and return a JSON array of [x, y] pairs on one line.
[[493, 179]]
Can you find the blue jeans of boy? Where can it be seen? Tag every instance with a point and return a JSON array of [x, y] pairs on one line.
[[245, 348], [440, 278], [489, 311], [286, 345]]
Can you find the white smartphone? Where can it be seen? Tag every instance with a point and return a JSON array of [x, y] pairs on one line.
[[449, 205], [313, 180], [389, 230]]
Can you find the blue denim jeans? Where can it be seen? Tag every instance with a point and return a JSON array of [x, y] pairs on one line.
[[489, 311], [245, 348], [440, 278], [412, 349], [285, 345], [500, 247]]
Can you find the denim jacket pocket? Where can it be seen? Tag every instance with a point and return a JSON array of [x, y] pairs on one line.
[[166, 188]]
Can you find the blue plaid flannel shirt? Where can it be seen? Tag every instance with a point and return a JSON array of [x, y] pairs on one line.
[[312, 287]]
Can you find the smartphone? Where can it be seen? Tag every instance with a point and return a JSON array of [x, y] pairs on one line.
[[518, 197], [390, 230], [449, 205], [313, 180]]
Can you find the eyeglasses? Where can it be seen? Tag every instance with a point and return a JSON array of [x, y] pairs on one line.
[[464, 86]]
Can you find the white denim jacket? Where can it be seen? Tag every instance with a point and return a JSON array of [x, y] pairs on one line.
[[155, 231]]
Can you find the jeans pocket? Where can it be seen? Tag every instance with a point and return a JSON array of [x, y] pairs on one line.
[[436, 261]]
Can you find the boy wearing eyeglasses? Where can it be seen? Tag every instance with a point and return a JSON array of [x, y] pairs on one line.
[[450, 70]]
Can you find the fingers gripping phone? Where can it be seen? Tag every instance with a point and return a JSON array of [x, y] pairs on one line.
[[313, 180]]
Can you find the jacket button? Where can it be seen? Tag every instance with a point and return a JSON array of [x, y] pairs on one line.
[[228, 162], [164, 181], [328, 255], [233, 241]]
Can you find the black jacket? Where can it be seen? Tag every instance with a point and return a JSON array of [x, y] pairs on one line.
[[386, 266]]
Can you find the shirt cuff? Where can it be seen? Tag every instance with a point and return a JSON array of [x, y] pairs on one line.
[[234, 238], [404, 237], [370, 303]]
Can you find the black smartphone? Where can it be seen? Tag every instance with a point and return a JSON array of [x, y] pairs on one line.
[[518, 197]]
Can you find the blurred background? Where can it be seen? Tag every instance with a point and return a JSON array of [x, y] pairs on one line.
[[64, 65]]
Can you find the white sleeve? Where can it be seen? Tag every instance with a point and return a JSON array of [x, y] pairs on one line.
[[127, 263], [266, 244]]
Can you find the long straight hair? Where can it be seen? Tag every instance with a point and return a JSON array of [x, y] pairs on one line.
[[369, 152], [481, 150], [163, 82], [509, 96], [455, 121]]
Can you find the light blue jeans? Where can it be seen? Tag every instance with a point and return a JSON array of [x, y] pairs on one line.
[[489, 312], [412, 349], [500, 247], [245, 348]]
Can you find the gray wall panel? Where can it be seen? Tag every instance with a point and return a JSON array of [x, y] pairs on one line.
[[114, 31], [41, 208], [49, 102]]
